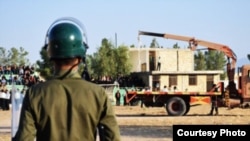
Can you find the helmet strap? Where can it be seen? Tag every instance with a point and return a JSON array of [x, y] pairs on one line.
[[68, 72]]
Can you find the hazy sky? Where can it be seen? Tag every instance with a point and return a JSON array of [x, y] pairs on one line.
[[24, 23]]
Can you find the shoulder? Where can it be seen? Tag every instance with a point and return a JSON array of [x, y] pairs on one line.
[[92, 85], [53, 88], [55, 84]]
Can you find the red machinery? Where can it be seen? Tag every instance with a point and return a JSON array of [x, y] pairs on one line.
[[178, 103]]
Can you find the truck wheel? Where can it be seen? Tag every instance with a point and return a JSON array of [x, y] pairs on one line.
[[176, 106]]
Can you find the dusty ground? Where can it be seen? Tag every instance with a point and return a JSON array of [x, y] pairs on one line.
[[153, 124]]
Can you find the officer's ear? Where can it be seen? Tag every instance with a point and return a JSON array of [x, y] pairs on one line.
[[79, 60]]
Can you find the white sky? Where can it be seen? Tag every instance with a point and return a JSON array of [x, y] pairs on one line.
[[24, 23]]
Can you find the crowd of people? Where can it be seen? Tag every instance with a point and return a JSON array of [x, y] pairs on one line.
[[22, 76]]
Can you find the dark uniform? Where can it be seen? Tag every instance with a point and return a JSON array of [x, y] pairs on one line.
[[214, 102], [214, 105], [66, 110]]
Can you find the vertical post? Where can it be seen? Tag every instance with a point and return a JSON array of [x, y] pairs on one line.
[[115, 40], [117, 65], [139, 56], [16, 103]]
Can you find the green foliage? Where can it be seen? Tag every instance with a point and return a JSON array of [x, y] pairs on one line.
[[132, 46], [154, 44], [45, 66], [14, 56], [200, 61], [105, 61], [215, 60], [122, 65], [176, 46], [210, 60], [3, 56], [94, 69], [109, 61]]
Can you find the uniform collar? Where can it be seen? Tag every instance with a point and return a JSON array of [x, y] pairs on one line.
[[63, 74]]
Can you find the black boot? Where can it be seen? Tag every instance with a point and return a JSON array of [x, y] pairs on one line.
[[211, 112], [216, 111]]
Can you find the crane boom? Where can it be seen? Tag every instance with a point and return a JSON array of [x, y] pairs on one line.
[[194, 43]]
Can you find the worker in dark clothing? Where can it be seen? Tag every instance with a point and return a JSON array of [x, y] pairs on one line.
[[214, 105], [159, 64], [2, 100], [117, 97], [66, 107], [214, 102], [125, 98]]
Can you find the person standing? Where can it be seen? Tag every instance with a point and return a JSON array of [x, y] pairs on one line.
[[165, 89], [214, 106], [125, 97], [159, 64], [214, 102], [66, 108], [117, 97]]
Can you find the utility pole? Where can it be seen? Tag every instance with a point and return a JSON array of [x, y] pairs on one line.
[[117, 58], [115, 40]]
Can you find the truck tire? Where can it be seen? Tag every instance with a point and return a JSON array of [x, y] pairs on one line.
[[176, 106]]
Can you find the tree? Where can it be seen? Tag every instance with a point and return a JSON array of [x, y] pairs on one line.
[[200, 61], [106, 58], [88, 63], [210, 60], [220, 60], [215, 60], [3, 56], [220, 63], [132, 46], [94, 66], [109, 61], [14, 56], [154, 44], [18, 57], [176, 46], [121, 63], [44, 66]]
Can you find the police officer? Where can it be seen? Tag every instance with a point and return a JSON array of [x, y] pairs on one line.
[[66, 108]]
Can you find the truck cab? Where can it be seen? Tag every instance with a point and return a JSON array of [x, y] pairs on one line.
[[244, 84]]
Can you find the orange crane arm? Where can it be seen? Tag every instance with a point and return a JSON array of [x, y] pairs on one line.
[[193, 43]]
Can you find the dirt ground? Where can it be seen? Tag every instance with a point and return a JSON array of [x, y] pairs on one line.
[[153, 124]]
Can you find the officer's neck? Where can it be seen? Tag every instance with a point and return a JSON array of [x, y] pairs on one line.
[[65, 71], [64, 68]]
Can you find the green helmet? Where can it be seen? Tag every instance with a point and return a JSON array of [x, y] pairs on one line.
[[65, 39]]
